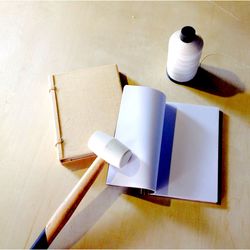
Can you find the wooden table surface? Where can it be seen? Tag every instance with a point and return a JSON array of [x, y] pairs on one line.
[[39, 38]]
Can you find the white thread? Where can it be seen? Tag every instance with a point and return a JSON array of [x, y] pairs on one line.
[[184, 53]]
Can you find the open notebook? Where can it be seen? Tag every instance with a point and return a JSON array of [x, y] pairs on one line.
[[175, 146]]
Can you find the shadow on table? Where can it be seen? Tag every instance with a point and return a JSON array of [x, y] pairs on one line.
[[80, 224], [223, 161], [216, 81], [145, 195], [189, 214], [125, 80]]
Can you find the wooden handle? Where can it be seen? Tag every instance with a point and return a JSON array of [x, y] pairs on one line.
[[66, 209]]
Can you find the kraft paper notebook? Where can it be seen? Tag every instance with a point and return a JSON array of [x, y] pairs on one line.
[[84, 101], [175, 146]]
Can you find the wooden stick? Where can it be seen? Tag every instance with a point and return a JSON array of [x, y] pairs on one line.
[[66, 209]]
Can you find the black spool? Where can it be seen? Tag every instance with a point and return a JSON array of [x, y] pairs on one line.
[[187, 34]]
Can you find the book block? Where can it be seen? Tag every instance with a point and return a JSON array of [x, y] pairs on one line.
[[84, 101]]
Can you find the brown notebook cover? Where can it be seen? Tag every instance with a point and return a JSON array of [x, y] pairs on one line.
[[84, 101]]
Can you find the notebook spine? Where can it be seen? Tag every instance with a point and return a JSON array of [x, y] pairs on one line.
[[59, 138]]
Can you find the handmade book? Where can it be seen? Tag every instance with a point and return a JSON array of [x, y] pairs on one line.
[[84, 101], [175, 146]]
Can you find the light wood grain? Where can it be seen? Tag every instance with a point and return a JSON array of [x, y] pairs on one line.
[[40, 38]]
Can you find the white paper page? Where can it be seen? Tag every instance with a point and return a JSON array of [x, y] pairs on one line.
[[194, 162], [139, 127]]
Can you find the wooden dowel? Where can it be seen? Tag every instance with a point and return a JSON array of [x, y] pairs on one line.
[[66, 209]]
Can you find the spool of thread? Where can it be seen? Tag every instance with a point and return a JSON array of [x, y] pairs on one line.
[[184, 53]]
